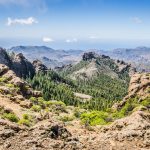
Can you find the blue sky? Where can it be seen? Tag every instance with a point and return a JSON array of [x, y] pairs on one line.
[[77, 24]]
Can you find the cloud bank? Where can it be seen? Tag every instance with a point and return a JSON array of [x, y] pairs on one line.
[[21, 21], [72, 40], [47, 40]]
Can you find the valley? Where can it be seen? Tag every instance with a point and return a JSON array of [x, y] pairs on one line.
[[96, 103]]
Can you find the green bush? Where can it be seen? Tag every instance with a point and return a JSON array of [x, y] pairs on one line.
[[50, 103], [26, 116], [67, 118], [94, 118], [146, 102], [36, 108], [25, 122], [77, 112], [56, 106], [33, 99], [11, 117], [3, 79], [42, 102], [130, 105], [10, 85]]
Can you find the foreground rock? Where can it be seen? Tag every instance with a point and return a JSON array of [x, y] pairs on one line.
[[135, 128]]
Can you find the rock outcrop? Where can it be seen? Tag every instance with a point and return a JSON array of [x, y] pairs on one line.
[[139, 86], [22, 67], [135, 126], [4, 58], [39, 67], [89, 56], [10, 80]]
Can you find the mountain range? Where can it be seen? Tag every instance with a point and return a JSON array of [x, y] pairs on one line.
[[50, 57], [139, 57]]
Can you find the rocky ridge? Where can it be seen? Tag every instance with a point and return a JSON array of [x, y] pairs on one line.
[[20, 65], [93, 64]]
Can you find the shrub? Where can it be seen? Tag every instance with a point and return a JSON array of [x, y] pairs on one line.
[[94, 118], [26, 116], [10, 85], [67, 118], [77, 112], [57, 106], [3, 79], [127, 108], [146, 102], [33, 99], [25, 122], [36, 108], [42, 102], [11, 117]]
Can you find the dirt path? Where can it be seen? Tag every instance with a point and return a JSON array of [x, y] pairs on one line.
[[19, 111]]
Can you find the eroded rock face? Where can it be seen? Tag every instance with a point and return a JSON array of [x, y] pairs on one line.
[[11, 78], [89, 56], [4, 58], [139, 85], [125, 67], [132, 128], [39, 66], [18, 63], [22, 67]]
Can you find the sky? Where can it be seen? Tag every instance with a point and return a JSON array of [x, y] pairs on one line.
[[75, 24]]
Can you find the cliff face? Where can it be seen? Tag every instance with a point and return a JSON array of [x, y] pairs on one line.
[[20, 65], [139, 88], [39, 66], [4, 58]]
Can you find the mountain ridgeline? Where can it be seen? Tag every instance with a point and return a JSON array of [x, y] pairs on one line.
[[139, 57]]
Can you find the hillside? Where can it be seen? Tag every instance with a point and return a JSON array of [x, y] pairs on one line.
[[100, 77], [27, 121], [93, 65]]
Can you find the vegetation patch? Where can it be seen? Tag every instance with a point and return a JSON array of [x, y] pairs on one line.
[[26, 120], [95, 118], [11, 117], [67, 118]]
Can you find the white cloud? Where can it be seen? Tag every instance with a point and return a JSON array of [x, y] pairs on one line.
[[22, 21], [72, 40], [47, 39], [93, 37], [137, 20]]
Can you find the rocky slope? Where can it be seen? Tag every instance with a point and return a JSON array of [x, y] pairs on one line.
[[139, 88], [48, 125], [20, 65], [93, 65], [48, 132]]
